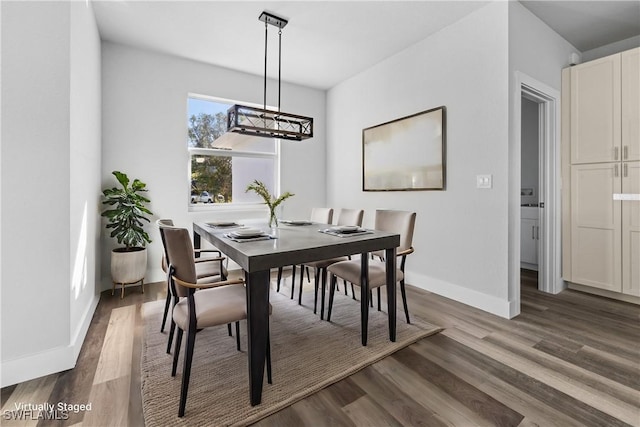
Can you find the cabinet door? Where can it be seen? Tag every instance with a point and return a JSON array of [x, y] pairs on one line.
[[596, 226], [529, 241], [595, 111], [631, 230], [631, 104]]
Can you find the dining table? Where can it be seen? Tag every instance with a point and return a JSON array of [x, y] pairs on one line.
[[290, 244]]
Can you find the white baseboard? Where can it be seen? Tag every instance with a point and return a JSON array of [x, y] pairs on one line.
[[48, 362], [491, 304], [81, 331]]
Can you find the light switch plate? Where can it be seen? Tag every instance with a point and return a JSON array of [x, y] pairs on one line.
[[484, 181]]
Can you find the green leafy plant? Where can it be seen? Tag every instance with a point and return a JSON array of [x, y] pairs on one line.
[[260, 189], [127, 212]]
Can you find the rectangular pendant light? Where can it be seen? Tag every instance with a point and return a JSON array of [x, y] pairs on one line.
[[244, 121]]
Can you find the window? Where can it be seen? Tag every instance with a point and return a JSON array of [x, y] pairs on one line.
[[220, 174]]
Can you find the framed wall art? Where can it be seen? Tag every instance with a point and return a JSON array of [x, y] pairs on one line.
[[406, 154]]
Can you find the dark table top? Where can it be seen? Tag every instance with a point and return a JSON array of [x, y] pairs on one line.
[[293, 244]]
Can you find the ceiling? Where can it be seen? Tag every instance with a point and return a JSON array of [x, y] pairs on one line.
[[326, 42]]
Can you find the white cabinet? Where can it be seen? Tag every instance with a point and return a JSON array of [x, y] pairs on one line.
[[631, 230], [529, 237], [601, 172], [630, 64], [596, 226], [605, 109], [595, 111]]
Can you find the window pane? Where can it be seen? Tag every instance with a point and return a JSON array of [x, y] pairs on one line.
[[212, 175], [245, 171], [207, 121], [223, 178]]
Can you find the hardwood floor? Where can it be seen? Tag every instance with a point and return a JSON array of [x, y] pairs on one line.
[[568, 360]]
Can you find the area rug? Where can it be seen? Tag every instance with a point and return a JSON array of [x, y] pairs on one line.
[[308, 354]]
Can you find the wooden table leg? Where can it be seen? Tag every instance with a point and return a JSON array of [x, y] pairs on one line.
[[257, 330], [364, 296], [390, 257]]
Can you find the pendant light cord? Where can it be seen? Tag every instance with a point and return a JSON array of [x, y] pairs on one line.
[[279, 64], [266, 32]]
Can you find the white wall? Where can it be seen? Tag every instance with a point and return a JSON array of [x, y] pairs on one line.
[[145, 132], [461, 233], [85, 179], [47, 124]]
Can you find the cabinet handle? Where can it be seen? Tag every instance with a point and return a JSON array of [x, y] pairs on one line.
[[626, 170], [615, 153], [625, 152], [533, 232], [615, 170], [537, 233]]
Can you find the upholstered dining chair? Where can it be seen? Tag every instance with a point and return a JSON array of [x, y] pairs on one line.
[[400, 222], [208, 270], [321, 216], [345, 217], [214, 304]]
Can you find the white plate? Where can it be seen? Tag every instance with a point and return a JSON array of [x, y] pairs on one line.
[[296, 222], [247, 232], [221, 223], [343, 228]]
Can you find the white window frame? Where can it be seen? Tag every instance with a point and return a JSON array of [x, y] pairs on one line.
[[192, 151]]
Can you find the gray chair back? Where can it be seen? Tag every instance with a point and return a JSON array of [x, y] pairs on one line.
[[322, 215], [350, 217], [401, 222], [179, 251]]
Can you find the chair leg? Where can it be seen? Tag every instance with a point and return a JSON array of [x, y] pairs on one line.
[[308, 276], [279, 279], [332, 287], [186, 372], [167, 304], [229, 329], [378, 299], [172, 329], [404, 300], [315, 298], [172, 326], [301, 278], [344, 282], [324, 287], [176, 353], [238, 335], [371, 298], [293, 280], [353, 291]]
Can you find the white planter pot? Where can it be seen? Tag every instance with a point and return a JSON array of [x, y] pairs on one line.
[[128, 267]]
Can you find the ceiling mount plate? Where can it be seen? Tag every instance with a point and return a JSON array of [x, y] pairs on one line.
[[274, 20]]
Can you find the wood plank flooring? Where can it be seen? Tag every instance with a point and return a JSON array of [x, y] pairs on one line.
[[571, 359]]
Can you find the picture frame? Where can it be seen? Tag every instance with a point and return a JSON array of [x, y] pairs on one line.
[[406, 154]]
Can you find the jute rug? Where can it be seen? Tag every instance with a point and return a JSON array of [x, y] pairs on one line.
[[308, 354]]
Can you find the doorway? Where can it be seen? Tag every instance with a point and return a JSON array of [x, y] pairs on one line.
[[532, 172], [547, 234]]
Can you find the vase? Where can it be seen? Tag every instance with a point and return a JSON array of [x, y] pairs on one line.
[[273, 220], [128, 266]]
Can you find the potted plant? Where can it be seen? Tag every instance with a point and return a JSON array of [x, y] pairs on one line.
[[125, 215], [259, 188]]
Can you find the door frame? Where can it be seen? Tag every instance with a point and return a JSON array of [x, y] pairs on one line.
[[550, 261]]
